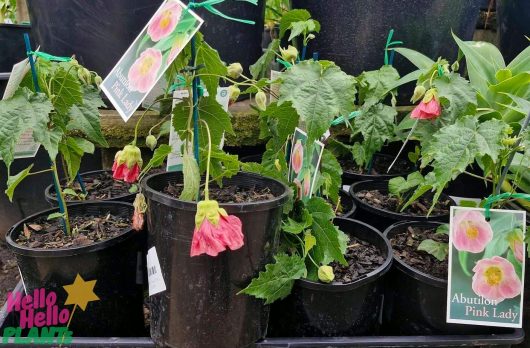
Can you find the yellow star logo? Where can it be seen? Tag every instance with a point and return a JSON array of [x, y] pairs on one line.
[[80, 292]]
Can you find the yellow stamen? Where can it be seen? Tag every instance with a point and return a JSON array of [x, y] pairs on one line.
[[166, 19], [146, 65], [493, 275], [471, 231]]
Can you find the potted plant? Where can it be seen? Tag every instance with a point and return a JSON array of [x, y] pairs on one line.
[[73, 243]]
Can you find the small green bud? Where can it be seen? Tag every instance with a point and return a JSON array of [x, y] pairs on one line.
[[455, 66], [261, 100], [325, 274], [233, 93], [509, 141], [419, 92], [235, 70], [74, 62], [150, 141], [310, 37], [393, 101], [289, 54], [98, 80]]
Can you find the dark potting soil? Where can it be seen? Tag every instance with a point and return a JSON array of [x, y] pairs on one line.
[[379, 166], [362, 258], [405, 246], [86, 230], [9, 275], [99, 186], [420, 207], [228, 194]]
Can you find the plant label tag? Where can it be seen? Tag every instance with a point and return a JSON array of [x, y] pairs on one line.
[[304, 163], [152, 52], [16, 76], [486, 267], [154, 273], [174, 160]]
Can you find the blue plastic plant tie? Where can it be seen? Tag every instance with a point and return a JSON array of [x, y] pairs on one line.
[[285, 63], [315, 56], [340, 119], [37, 89], [389, 43], [304, 51], [208, 5], [495, 198]]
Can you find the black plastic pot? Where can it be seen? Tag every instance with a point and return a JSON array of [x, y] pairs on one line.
[[380, 218], [336, 309], [348, 205], [49, 193], [200, 307], [112, 263], [350, 178], [470, 187], [416, 302], [513, 18], [12, 43]]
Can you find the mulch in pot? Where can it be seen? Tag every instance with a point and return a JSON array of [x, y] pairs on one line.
[[420, 207], [379, 166], [405, 245], [86, 229], [227, 194], [362, 258], [99, 186]]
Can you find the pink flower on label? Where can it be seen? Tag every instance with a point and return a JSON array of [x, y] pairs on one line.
[[144, 71], [518, 251], [516, 240], [471, 231], [429, 108], [297, 158], [307, 184], [215, 230], [164, 21], [495, 279]]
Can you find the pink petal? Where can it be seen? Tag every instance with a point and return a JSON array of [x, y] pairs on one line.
[[205, 241], [131, 175], [119, 172], [231, 229]]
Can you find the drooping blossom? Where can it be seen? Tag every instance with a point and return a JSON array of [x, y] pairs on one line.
[[127, 164], [495, 279], [429, 108], [164, 21], [144, 71], [297, 157], [471, 231], [215, 230], [140, 206]]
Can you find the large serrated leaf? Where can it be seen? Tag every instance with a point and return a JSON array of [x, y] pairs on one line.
[[86, 117], [278, 278], [281, 121], [376, 124], [290, 17], [13, 181], [192, 178], [65, 89], [213, 67], [72, 150]]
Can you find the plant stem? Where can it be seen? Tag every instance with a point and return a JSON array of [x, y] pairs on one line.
[[404, 144], [158, 124], [40, 172], [206, 191], [60, 196], [144, 113], [477, 176]]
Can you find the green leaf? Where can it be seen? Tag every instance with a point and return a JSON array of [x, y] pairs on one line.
[[13, 181], [375, 85], [159, 156], [53, 216], [498, 245], [222, 165], [320, 209], [25, 110], [289, 17], [281, 121], [309, 242], [86, 118], [436, 249], [330, 165], [296, 227], [259, 68], [318, 94], [457, 97], [443, 229], [462, 259], [521, 63], [303, 27], [278, 278], [66, 88], [213, 65], [399, 185], [192, 178], [510, 256], [420, 60], [72, 150]]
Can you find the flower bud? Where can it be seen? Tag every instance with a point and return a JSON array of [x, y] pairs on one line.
[[419, 92], [277, 165], [393, 101], [311, 36], [150, 141], [235, 70], [261, 100], [289, 54], [325, 274], [509, 141], [455, 66], [233, 93], [98, 80], [131, 155]]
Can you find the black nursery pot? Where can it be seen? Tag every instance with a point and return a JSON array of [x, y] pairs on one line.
[[52, 199], [416, 302], [513, 18], [348, 205], [350, 178], [380, 218], [316, 309], [200, 307], [113, 263]]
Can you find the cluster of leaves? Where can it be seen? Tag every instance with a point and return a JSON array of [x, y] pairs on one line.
[[63, 117], [8, 10]]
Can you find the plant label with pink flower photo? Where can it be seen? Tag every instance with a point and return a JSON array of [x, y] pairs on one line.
[[486, 267], [152, 52], [304, 163]]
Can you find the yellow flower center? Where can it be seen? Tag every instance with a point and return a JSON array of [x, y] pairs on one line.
[[493, 275], [146, 65], [471, 231], [166, 19]]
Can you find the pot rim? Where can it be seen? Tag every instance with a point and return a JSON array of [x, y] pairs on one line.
[[353, 208], [71, 251], [375, 177], [53, 199], [391, 214], [403, 266], [249, 207], [368, 278]]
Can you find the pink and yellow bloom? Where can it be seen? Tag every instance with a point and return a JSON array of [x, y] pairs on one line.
[[144, 71], [471, 231], [429, 108], [495, 279], [165, 21], [127, 164], [297, 157], [215, 230]]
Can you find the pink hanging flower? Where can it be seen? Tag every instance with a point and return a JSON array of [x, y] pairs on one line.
[[164, 21], [140, 206], [495, 279], [215, 230], [127, 164], [429, 108], [297, 157], [471, 231], [144, 71]]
